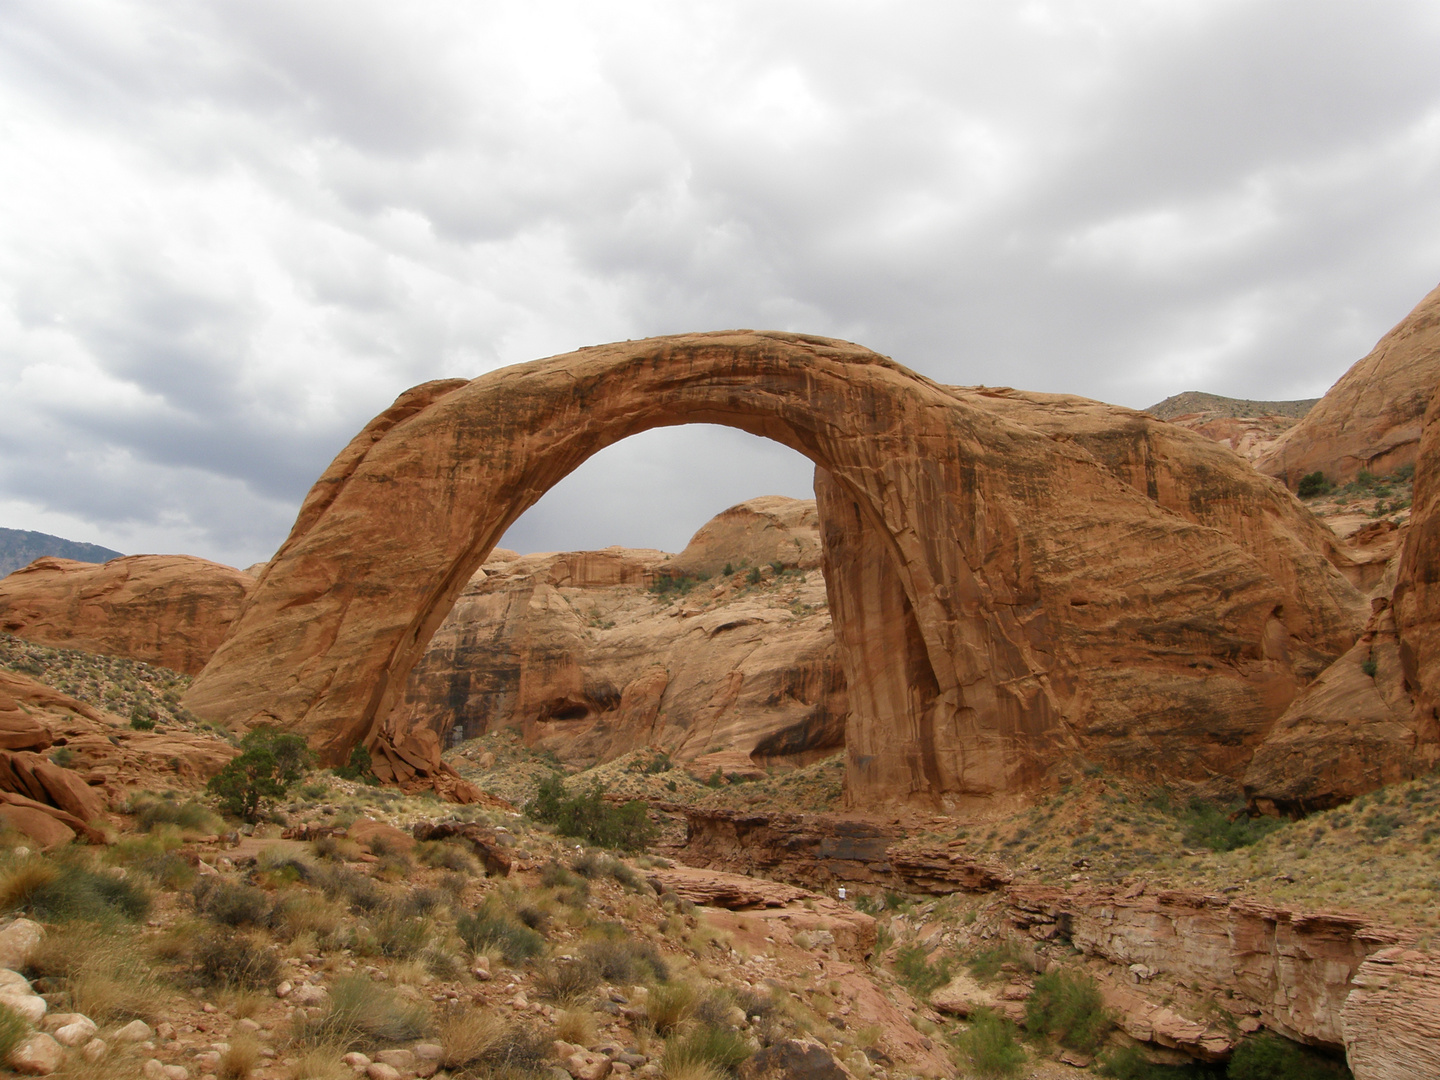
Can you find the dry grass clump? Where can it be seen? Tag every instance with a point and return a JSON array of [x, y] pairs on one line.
[[493, 926], [13, 1028], [669, 1005], [446, 855], [351, 886], [299, 911], [625, 961], [336, 848], [231, 903], [575, 1026], [361, 1011], [190, 817], [566, 982], [467, 1035], [399, 936], [482, 1044], [105, 972], [704, 1046], [321, 1062], [235, 960], [240, 1060], [58, 888]]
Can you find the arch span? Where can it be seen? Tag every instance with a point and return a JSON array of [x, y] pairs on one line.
[[984, 577]]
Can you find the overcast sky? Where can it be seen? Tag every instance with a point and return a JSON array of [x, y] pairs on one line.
[[230, 233]]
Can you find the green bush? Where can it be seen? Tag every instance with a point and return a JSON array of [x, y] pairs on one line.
[[142, 719], [625, 961], [1066, 1006], [918, 975], [986, 963], [1269, 1057], [151, 811], [989, 1045], [269, 762], [589, 817], [1312, 485], [359, 767], [1223, 828], [1369, 667]]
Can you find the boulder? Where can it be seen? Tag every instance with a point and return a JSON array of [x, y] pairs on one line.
[[791, 1059], [171, 610], [376, 834], [137, 1031], [18, 942], [36, 1055], [1371, 418], [1004, 599], [38, 823]]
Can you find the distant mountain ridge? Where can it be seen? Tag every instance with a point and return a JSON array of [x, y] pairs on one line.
[[1196, 401], [20, 547]]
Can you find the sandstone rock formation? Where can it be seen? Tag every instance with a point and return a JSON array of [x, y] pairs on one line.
[[585, 657], [1371, 418], [1349, 732], [1003, 599], [107, 759], [171, 610], [1391, 1018]]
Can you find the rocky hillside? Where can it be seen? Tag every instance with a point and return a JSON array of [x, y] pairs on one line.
[[1197, 401], [20, 547]]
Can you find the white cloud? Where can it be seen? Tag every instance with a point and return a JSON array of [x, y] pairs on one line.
[[231, 233]]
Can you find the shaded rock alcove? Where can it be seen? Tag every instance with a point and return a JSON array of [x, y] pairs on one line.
[[1006, 598]]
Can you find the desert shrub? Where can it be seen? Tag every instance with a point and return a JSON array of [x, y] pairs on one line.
[[269, 762], [165, 868], [335, 848], [989, 1045], [1222, 827], [918, 975], [442, 963], [566, 982], [669, 1005], [151, 811], [298, 911], [422, 901], [445, 856], [1067, 1007], [706, 1044], [361, 1011], [588, 816], [1313, 484], [231, 903], [625, 961], [493, 927], [13, 1028], [1269, 1057], [400, 936], [357, 889], [235, 960], [536, 918], [986, 963], [1370, 667], [596, 864], [60, 889]]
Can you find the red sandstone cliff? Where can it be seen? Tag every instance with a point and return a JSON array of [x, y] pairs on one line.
[[171, 610]]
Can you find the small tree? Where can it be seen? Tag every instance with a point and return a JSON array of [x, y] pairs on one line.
[[268, 763]]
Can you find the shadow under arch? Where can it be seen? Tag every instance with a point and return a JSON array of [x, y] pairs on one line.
[[946, 531]]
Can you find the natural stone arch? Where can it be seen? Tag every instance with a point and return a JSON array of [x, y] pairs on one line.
[[983, 575]]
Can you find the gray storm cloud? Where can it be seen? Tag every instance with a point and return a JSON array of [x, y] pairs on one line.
[[233, 232]]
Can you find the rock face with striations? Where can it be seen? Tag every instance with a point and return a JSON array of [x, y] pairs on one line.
[[1371, 418], [1005, 600], [171, 610], [592, 654]]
